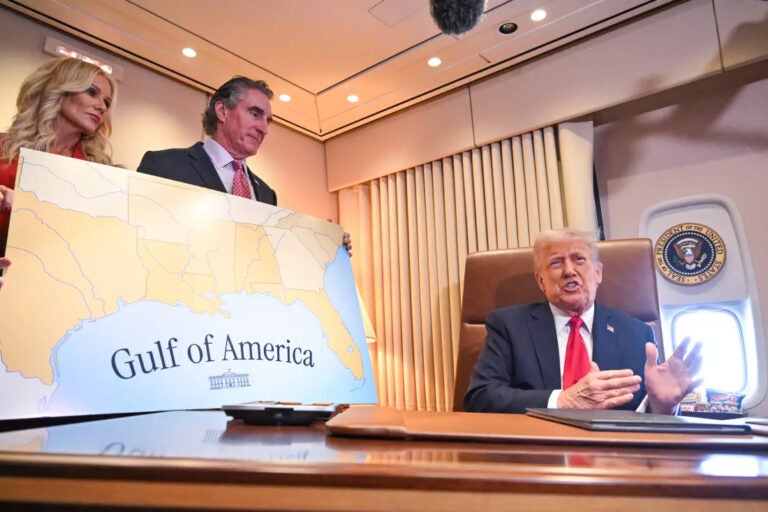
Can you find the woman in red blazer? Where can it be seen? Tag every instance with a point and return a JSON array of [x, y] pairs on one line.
[[63, 107]]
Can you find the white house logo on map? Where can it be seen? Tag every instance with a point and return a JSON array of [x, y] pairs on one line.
[[689, 253]]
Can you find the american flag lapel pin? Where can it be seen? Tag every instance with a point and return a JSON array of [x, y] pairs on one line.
[[610, 328]]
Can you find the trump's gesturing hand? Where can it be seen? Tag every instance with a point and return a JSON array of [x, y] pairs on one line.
[[600, 390], [668, 383]]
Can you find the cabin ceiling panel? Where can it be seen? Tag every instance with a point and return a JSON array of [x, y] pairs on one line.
[[320, 51], [743, 31]]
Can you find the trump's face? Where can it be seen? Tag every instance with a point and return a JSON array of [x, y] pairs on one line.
[[568, 275]]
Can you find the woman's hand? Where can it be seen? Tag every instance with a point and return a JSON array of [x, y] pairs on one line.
[[6, 198], [4, 263]]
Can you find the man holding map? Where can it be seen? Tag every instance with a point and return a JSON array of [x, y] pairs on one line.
[[236, 121]]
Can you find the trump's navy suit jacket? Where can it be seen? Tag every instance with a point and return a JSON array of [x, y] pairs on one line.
[[519, 365], [193, 166]]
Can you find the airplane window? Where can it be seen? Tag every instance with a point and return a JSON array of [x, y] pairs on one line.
[[719, 331], [718, 305]]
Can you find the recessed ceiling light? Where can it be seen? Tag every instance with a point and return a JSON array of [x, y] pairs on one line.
[[189, 52], [434, 62], [284, 97], [538, 15], [353, 98]]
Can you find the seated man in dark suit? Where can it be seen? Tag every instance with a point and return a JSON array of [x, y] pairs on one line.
[[533, 358], [236, 122]]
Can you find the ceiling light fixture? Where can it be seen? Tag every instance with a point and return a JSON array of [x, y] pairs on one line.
[[189, 52], [55, 47], [434, 62], [538, 15], [284, 97], [353, 98], [507, 28]]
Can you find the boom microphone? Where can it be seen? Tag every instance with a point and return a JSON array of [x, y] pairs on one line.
[[456, 16]]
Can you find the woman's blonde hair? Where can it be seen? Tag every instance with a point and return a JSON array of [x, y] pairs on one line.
[[39, 104]]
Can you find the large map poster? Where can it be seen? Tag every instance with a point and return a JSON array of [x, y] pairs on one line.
[[134, 293]]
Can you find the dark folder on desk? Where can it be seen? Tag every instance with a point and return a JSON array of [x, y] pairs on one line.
[[631, 421]]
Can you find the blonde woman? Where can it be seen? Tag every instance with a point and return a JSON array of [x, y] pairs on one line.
[[64, 108]]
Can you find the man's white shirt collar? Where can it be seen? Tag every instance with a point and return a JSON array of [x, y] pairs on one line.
[[222, 162], [219, 156], [561, 318]]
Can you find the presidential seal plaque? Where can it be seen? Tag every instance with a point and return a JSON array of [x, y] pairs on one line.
[[689, 253]]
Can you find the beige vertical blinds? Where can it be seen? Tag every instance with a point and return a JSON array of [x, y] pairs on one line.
[[412, 232]]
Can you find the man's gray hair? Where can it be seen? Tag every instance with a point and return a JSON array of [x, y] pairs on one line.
[[231, 93], [553, 236]]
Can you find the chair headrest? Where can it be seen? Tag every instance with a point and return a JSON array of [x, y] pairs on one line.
[[494, 279]]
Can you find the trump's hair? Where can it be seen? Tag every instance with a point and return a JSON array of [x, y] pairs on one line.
[[545, 239]]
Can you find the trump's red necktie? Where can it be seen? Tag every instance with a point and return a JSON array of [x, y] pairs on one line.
[[576, 363], [240, 183]]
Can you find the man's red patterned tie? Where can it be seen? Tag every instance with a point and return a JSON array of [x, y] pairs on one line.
[[240, 184]]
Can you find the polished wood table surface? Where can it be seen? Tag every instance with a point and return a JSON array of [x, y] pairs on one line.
[[203, 460]]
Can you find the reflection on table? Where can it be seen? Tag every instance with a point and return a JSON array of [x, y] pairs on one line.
[[188, 459]]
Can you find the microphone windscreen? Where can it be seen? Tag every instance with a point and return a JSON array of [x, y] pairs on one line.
[[456, 16]]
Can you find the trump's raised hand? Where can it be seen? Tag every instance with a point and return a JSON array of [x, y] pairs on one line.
[[668, 383]]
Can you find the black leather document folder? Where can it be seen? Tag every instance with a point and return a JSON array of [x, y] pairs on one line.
[[631, 421]]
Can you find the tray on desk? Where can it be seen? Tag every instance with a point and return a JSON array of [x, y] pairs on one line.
[[390, 423]]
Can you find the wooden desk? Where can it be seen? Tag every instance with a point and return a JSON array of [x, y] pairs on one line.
[[206, 461]]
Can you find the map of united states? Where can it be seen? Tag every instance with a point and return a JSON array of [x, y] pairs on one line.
[[90, 242]]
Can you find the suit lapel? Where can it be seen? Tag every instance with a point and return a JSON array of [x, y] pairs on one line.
[[604, 347], [203, 166], [541, 327], [255, 182]]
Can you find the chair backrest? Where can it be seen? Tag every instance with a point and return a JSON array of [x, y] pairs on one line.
[[494, 279]]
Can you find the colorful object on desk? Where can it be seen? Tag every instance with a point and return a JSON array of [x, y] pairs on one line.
[[713, 403]]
